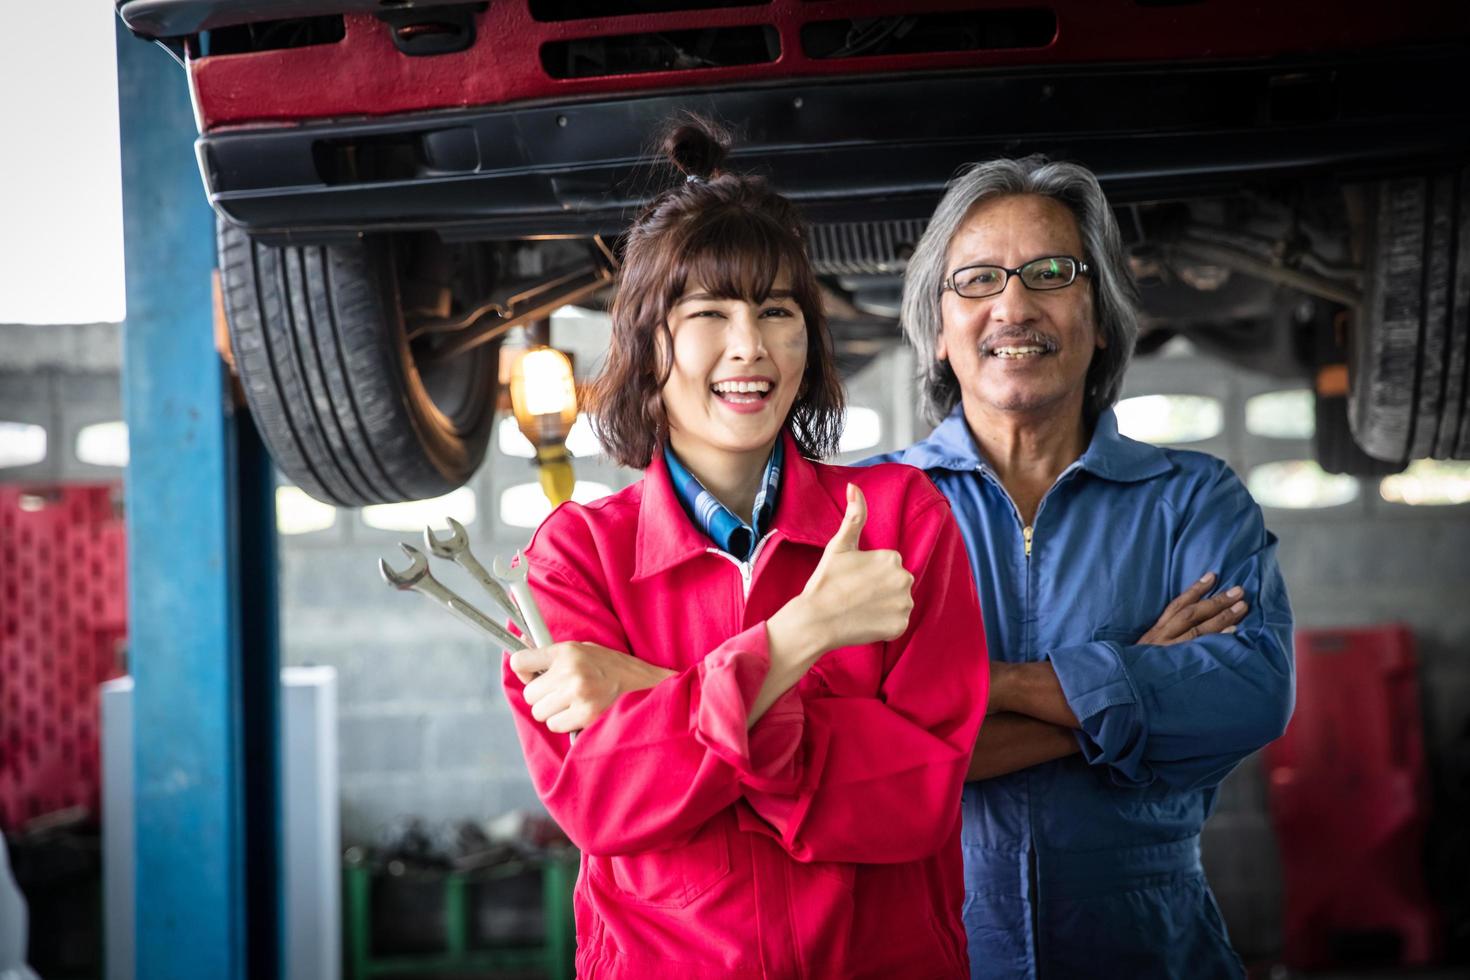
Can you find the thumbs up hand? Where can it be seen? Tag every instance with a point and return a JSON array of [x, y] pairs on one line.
[[853, 596], [851, 529], [857, 596]]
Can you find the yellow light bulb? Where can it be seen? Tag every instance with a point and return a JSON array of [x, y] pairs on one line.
[[543, 395], [548, 383]]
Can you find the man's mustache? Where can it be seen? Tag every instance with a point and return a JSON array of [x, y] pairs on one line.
[[1020, 338]]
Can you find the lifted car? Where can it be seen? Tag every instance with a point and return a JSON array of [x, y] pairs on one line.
[[399, 182]]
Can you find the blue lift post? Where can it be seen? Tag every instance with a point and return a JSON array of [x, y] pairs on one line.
[[202, 603]]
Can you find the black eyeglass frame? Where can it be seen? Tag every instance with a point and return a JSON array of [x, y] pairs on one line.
[[1079, 268]]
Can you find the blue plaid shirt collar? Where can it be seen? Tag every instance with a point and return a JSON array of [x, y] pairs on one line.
[[729, 532]]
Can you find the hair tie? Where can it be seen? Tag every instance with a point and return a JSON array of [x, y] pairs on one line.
[[694, 179]]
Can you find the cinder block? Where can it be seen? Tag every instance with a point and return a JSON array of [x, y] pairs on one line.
[[382, 743], [1244, 790], [483, 739], [373, 802], [376, 674], [1243, 865], [466, 796]]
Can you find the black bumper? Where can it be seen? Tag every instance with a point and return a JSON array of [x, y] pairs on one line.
[[159, 19], [857, 149]]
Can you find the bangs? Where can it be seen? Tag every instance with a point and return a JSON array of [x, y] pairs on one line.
[[736, 255]]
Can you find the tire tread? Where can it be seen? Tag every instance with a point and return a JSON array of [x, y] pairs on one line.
[[326, 371]]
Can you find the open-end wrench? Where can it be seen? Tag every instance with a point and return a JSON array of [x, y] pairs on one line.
[[515, 578], [457, 549], [416, 578]]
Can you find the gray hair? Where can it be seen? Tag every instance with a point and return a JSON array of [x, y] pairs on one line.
[[1114, 294]]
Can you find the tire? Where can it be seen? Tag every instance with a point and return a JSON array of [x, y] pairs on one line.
[[1407, 356], [1333, 445], [332, 382]]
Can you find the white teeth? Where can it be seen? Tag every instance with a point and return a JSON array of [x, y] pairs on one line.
[[1017, 351], [740, 387]]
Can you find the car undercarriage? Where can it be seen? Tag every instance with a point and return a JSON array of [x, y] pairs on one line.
[[1289, 204]]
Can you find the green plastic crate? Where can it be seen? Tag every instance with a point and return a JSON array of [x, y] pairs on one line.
[[461, 951]]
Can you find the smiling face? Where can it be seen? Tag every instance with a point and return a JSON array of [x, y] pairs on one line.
[[736, 370], [1020, 351]]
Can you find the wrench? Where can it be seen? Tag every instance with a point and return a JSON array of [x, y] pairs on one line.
[[515, 578], [520, 590], [417, 578], [457, 549]]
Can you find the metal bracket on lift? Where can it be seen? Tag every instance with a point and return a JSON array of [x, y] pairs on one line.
[[495, 318]]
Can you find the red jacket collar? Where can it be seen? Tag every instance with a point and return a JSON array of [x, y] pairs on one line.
[[806, 513]]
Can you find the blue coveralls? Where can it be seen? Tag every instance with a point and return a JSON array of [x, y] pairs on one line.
[[1089, 866]]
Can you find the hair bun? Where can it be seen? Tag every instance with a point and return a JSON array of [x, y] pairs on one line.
[[697, 147]]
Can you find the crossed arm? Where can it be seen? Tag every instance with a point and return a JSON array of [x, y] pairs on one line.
[[1183, 704], [1029, 721]]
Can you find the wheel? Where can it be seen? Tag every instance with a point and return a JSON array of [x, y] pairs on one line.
[[1333, 445], [1407, 351], [351, 411]]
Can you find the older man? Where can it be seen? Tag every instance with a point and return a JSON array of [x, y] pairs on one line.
[[1107, 736]]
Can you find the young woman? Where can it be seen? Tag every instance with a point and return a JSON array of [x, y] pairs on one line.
[[776, 666]]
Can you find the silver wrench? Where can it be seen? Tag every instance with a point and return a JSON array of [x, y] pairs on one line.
[[457, 549], [416, 578], [520, 590]]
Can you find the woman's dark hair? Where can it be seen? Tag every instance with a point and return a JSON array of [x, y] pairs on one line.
[[733, 236]]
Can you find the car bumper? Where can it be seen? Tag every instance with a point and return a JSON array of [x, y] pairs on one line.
[[869, 148], [163, 19]]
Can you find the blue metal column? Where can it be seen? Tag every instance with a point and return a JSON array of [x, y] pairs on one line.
[[200, 527]]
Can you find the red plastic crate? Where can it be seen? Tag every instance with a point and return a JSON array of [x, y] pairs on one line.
[[1350, 801], [63, 622]]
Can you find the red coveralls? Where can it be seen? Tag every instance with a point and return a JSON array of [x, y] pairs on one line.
[[825, 842]]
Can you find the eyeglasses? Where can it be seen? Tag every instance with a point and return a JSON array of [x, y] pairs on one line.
[[1051, 272]]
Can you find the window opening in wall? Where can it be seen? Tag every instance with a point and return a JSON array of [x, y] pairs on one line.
[[1288, 414], [1163, 419], [1300, 484], [525, 504], [415, 515], [297, 512], [581, 441], [103, 444], [862, 428], [512, 442], [21, 444], [1428, 483]]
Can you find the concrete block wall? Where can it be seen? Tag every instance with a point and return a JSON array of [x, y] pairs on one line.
[[424, 729], [62, 378]]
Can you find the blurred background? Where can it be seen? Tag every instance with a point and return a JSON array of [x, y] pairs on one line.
[[424, 850]]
